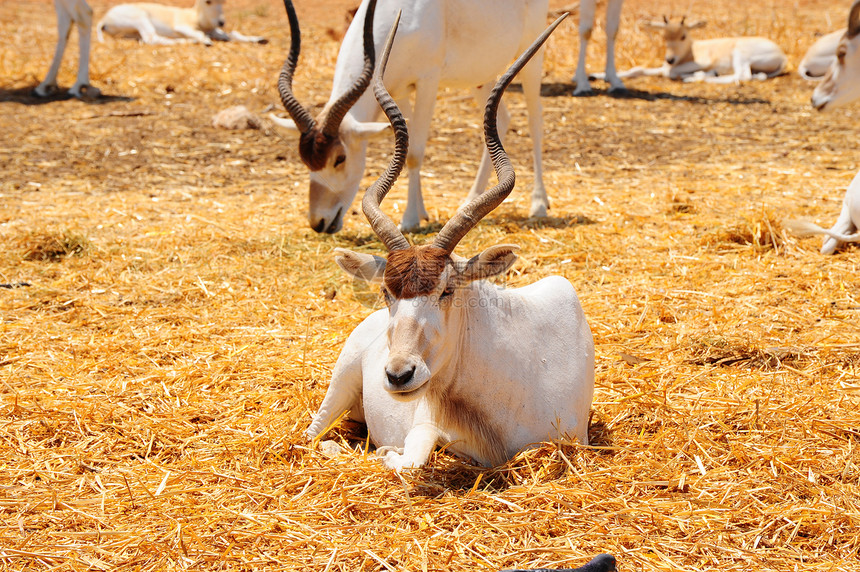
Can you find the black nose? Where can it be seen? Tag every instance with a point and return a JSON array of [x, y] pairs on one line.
[[670, 61], [399, 380], [221, 23], [320, 226]]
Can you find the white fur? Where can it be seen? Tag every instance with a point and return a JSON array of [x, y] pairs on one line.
[[841, 85], [718, 60], [440, 43], [586, 24], [522, 358], [166, 25], [79, 12], [820, 56], [846, 227]]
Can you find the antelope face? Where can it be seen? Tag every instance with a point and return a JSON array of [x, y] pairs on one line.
[[679, 45], [210, 14], [336, 168], [841, 85], [426, 291]]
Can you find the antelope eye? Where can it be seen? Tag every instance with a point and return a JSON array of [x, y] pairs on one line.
[[387, 296], [840, 53], [447, 293], [339, 160], [683, 37]]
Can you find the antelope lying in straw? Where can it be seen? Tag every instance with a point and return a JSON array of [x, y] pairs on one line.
[[720, 60], [433, 51], [820, 56], [79, 12], [586, 25], [454, 359], [840, 86], [166, 25]]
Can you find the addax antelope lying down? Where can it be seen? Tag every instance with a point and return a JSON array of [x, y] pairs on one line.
[[718, 60], [79, 12], [820, 56], [165, 25], [442, 43], [840, 86], [454, 359]]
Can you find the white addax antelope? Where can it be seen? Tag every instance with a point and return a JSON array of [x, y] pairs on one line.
[[79, 12], [718, 60], [455, 360], [166, 25], [443, 43], [586, 25], [840, 87], [820, 56]]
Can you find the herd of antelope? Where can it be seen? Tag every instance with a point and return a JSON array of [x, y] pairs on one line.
[[453, 360]]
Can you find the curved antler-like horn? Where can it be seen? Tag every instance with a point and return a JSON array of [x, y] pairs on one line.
[[383, 226], [347, 100], [462, 222], [297, 111]]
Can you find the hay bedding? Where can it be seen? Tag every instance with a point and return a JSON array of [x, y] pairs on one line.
[[181, 321]]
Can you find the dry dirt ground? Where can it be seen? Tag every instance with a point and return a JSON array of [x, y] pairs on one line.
[[175, 322]]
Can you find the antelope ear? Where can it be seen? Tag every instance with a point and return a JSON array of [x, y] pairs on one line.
[[653, 24], [491, 262], [697, 24], [283, 122], [854, 20], [371, 129], [366, 267]]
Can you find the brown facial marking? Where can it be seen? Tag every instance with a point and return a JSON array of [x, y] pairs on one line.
[[314, 146], [414, 271]]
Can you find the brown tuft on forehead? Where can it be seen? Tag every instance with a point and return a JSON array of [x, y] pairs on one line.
[[414, 271], [314, 146]]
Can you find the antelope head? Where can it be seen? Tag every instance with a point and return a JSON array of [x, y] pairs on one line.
[[210, 14], [679, 44], [841, 85], [425, 287], [332, 145]]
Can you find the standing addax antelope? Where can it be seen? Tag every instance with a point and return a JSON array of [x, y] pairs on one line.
[[586, 25], [442, 43], [840, 87], [79, 12], [717, 60], [455, 360]]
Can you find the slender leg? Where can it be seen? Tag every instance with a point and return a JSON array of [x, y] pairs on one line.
[[613, 21], [586, 25], [64, 28], [531, 78], [419, 131], [84, 20]]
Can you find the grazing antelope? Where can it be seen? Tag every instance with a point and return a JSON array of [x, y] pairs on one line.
[[454, 359], [443, 43], [586, 25], [166, 25], [820, 56], [79, 12], [840, 87], [719, 60]]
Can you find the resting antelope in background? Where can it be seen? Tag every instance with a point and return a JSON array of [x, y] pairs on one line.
[[820, 56], [586, 25], [840, 87], [79, 12], [718, 60], [166, 25], [432, 52], [455, 359]]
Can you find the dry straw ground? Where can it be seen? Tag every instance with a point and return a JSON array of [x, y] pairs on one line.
[[180, 320]]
